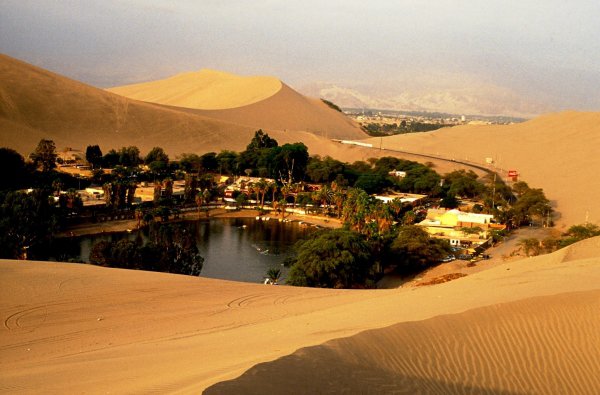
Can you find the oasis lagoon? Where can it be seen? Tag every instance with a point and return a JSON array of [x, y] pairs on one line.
[[238, 249]]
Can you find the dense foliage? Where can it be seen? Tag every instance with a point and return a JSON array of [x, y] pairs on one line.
[[413, 250], [387, 129], [27, 221], [332, 259], [171, 248]]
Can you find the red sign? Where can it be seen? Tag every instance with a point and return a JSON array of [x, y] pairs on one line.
[[512, 173]]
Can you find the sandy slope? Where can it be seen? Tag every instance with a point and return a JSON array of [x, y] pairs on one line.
[[204, 89], [259, 102], [557, 152], [78, 328], [35, 104]]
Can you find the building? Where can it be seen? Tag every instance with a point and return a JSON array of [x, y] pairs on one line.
[[397, 173], [458, 227], [410, 198]]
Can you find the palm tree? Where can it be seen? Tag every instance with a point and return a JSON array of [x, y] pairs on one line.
[[395, 206], [139, 215], [206, 197], [261, 187], [274, 274], [273, 187], [295, 190], [282, 204], [199, 201]]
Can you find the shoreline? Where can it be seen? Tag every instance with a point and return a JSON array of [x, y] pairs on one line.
[[131, 224]]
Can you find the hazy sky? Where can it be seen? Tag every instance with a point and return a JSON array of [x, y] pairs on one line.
[[548, 49]]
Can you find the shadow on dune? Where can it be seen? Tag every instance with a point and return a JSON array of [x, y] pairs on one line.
[[540, 345], [307, 373]]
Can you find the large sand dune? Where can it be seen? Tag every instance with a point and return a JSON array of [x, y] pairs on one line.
[[204, 89], [36, 103], [259, 102], [72, 328], [556, 152]]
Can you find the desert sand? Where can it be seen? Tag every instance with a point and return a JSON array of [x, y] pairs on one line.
[[528, 326], [556, 152], [205, 89], [258, 102]]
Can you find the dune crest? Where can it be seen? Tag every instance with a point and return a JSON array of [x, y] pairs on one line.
[[205, 89], [36, 103]]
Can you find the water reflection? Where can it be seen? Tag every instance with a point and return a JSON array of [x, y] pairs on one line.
[[240, 249]]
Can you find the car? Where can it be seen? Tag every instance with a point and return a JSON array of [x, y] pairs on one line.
[[448, 258]]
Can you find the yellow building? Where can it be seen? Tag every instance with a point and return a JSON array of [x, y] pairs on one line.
[[451, 224]]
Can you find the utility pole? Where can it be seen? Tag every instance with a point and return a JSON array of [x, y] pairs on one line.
[[494, 192]]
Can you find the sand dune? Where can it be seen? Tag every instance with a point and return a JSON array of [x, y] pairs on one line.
[[35, 104], [204, 89], [556, 152], [501, 349], [78, 328], [258, 102]]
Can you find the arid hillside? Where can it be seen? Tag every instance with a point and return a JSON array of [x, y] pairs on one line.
[[259, 102], [557, 152], [36, 103]]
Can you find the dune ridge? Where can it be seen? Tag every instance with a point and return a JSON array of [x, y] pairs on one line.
[[80, 328], [36, 103], [505, 348], [205, 89], [556, 152], [258, 102]]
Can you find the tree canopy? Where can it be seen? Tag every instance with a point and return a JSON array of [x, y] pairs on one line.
[[331, 259], [413, 249], [44, 156]]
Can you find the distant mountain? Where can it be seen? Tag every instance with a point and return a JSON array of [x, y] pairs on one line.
[[483, 99]]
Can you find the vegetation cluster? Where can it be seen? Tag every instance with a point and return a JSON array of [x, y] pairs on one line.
[[389, 129], [377, 237]]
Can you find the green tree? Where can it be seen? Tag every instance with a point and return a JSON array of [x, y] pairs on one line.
[[414, 250], [290, 161], [129, 156], [156, 154], [331, 259], [274, 274], [18, 175], [27, 221], [531, 246], [44, 156], [261, 140], [110, 159], [209, 162], [579, 232], [93, 155], [227, 162]]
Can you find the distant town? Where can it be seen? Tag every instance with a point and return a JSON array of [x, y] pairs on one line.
[[379, 122]]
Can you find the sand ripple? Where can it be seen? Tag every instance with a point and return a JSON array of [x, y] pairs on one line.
[[541, 345]]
